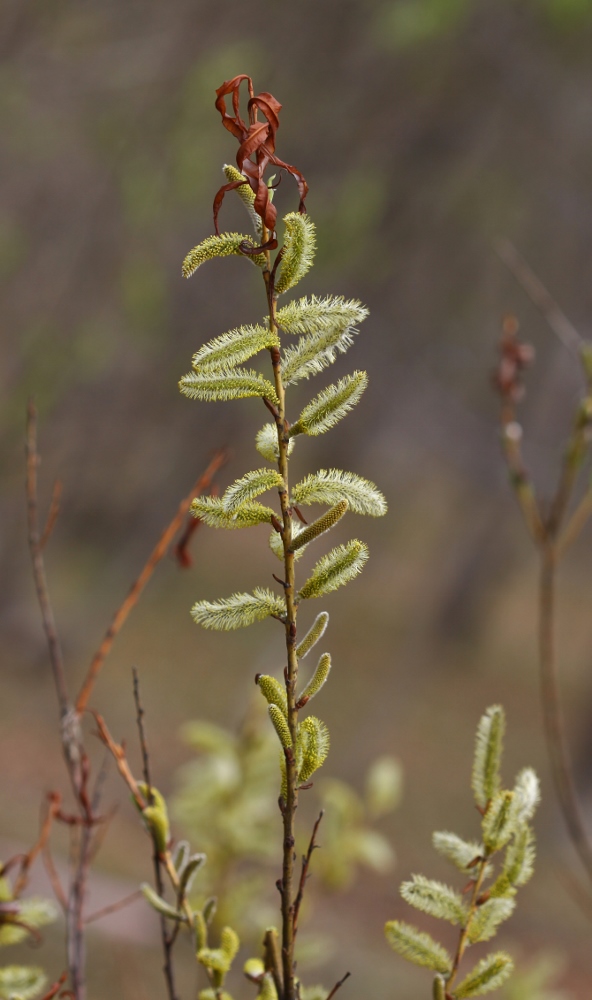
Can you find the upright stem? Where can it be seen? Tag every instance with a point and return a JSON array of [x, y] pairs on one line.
[[291, 672], [552, 713]]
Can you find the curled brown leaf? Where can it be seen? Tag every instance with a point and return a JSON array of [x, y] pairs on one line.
[[256, 148]]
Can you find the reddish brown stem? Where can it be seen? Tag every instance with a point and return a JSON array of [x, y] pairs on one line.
[[160, 549]]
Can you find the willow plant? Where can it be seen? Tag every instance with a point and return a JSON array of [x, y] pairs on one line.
[[324, 328], [494, 867]]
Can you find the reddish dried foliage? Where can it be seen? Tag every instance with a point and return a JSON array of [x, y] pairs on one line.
[[257, 148]]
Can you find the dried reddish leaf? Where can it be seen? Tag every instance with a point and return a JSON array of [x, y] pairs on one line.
[[257, 139]]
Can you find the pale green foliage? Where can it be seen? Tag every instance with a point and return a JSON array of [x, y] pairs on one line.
[[332, 485], [246, 195], [211, 994], [234, 383], [384, 785], [488, 917], [504, 827], [461, 853], [435, 898], [16, 923], [160, 905], [439, 988], [314, 993], [227, 801], [338, 567], [280, 725], [33, 912], [499, 822], [267, 990], [211, 511], [155, 816], [189, 870], [218, 961], [249, 486], [266, 443], [315, 632], [417, 946], [518, 862], [324, 523], [487, 976], [254, 969], [314, 314], [488, 754], [348, 837], [224, 245], [331, 405], [313, 742], [233, 348], [527, 794], [299, 251], [273, 692], [317, 680], [18, 982], [313, 353], [239, 610]]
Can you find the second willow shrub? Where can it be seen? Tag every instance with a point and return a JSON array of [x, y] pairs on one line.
[[496, 866], [303, 337]]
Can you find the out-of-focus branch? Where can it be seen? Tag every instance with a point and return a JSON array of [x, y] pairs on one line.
[[541, 298], [160, 549], [36, 542], [547, 529]]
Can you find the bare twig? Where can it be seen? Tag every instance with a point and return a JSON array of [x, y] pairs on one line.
[[338, 985], [540, 297], [553, 715], [118, 754], [138, 585], [168, 939], [304, 872], [182, 553], [142, 734], [53, 642], [27, 860], [55, 989], [114, 907], [52, 516]]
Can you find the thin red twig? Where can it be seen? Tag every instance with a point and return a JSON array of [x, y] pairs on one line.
[[160, 549], [304, 873]]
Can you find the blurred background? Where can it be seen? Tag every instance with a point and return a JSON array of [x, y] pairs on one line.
[[427, 130]]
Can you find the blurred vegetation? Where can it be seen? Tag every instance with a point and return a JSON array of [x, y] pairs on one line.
[[226, 801], [426, 130]]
